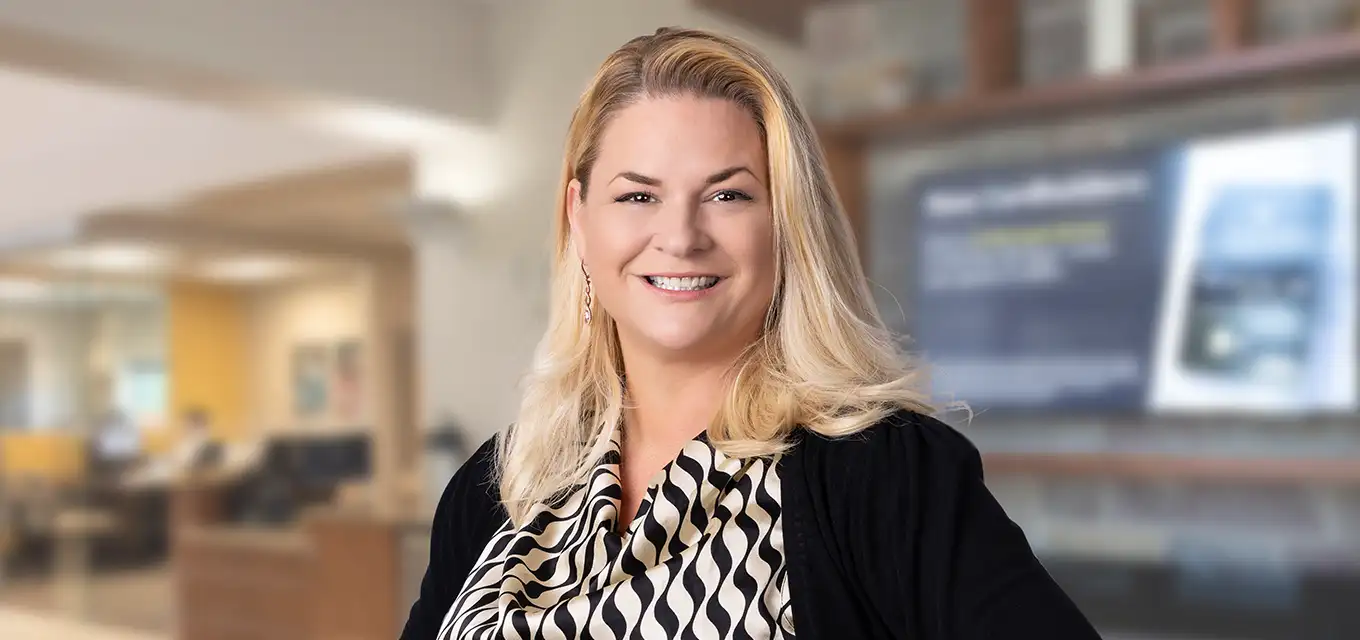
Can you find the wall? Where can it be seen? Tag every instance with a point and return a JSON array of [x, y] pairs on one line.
[[208, 355], [282, 317], [58, 341], [481, 276], [57, 456]]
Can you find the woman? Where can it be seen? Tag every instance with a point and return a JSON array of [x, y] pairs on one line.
[[719, 438]]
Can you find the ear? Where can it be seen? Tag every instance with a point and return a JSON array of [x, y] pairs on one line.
[[574, 207]]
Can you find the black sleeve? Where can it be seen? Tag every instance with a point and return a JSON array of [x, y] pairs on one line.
[[930, 552], [999, 589], [467, 516]]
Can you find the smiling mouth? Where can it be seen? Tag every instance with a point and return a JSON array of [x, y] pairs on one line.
[[687, 283]]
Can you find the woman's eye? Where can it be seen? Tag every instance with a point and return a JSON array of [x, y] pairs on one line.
[[730, 195], [637, 197]]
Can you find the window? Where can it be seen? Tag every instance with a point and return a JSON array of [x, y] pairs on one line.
[[140, 391]]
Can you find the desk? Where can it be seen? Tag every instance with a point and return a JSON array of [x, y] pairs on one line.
[[239, 582], [332, 574], [359, 576]]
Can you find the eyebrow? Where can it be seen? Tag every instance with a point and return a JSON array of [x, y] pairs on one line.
[[720, 176]]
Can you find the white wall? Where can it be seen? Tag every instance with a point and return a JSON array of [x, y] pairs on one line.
[[481, 300]]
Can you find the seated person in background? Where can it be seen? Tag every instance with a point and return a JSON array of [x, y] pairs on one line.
[[117, 440], [197, 450], [114, 447]]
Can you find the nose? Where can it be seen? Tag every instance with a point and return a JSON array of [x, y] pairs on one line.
[[680, 230]]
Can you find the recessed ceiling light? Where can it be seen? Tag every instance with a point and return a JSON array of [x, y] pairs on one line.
[[113, 258], [251, 269], [22, 288], [393, 126]]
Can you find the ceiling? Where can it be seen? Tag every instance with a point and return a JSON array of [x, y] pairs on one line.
[[285, 228], [68, 149]]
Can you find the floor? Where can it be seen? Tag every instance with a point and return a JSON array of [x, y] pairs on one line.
[[16, 624], [136, 601]]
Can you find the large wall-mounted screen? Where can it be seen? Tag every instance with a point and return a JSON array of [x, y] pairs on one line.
[[1212, 276]]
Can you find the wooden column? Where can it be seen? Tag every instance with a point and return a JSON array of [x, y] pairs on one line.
[[993, 34], [391, 312], [845, 159], [1233, 22]]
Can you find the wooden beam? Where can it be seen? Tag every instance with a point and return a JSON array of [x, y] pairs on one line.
[[1276, 66], [1233, 24], [189, 233], [993, 47], [1158, 467]]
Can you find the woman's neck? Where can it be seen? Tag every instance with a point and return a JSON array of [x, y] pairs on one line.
[[670, 403]]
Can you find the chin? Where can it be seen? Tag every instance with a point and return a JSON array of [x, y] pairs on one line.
[[678, 336], [678, 341]]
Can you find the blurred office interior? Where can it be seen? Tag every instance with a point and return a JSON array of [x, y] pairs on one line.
[[270, 270]]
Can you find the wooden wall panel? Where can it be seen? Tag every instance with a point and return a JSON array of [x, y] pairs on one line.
[[358, 579], [244, 586], [993, 31], [1234, 21]]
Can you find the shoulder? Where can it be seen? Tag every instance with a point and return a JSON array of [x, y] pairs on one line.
[[467, 517], [905, 444], [471, 501], [907, 466]]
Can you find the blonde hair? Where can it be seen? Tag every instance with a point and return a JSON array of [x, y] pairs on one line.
[[824, 361]]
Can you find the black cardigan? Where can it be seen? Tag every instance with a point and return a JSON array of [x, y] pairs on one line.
[[889, 534]]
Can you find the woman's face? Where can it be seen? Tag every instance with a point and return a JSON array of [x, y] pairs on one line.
[[676, 227]]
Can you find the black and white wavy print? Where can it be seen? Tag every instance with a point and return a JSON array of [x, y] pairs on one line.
[[704, 558]]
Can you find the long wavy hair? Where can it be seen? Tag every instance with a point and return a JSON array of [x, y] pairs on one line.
[[824, 360]]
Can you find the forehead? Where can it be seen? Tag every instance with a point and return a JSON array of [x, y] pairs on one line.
[[681, 137]]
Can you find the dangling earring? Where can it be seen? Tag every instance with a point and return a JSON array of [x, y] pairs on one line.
[[587, 302]]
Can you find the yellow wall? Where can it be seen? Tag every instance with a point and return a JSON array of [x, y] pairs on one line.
[[52, 456], [208, 357]]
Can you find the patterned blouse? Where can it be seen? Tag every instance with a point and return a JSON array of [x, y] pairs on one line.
[[703, 558]]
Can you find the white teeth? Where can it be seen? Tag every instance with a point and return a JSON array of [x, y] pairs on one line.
[[693, 283]]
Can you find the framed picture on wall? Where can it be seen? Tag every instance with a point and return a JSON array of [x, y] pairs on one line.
[[347, 382], [311, 380]]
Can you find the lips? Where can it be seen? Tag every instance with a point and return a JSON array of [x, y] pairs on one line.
[[682, 283]]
